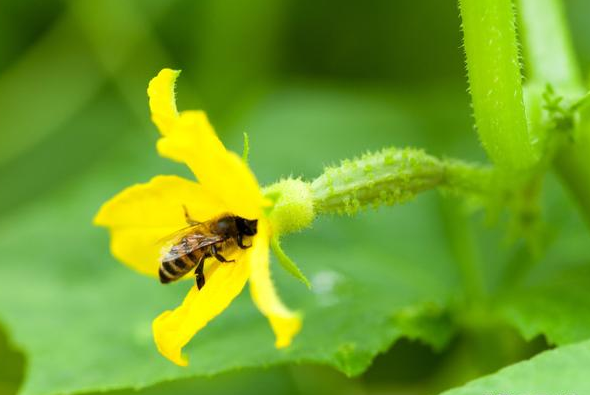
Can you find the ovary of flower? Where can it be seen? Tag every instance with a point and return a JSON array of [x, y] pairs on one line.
[[142, 214]]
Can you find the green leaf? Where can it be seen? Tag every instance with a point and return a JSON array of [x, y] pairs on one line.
[[553, 299], [284, 380], [11, 366], [553, 306], [560, 371], [83, 320], [65, 64], [429, 322]]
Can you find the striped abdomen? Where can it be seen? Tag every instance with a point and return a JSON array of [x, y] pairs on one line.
[[175, 269]]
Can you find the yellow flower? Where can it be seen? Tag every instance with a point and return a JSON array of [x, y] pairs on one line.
[[142, 214]]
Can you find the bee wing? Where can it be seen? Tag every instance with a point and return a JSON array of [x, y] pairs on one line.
[[190, 243], [179, 234]]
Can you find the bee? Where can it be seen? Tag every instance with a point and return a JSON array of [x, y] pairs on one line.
[[192, 245]]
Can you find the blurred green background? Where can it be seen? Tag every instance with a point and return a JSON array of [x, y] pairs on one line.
[[311, 82]]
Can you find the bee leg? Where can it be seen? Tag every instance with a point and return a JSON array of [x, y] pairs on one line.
[[241, 242], [218, 256], [188, 218], [199, 275], [200, 278]]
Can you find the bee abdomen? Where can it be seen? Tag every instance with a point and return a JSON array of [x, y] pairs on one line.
[[173, 270]]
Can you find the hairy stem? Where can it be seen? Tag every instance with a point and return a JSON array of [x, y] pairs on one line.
[[548, 48], [573, 168], [551, 60], [495, 81], [392, 176]]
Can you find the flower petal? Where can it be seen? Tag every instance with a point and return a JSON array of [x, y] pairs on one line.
[[194, 142], [141, 215], [162, 100], [285, 323], [174, 329]]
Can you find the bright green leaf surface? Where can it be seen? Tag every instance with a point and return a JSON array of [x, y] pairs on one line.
[[557, 308], [84, 320], [11, 366], [560, 371], [554, 300], [74, 320]]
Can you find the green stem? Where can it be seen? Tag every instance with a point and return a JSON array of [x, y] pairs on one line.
[[548, 48], [246, 151], [464, 249], [572, 165], [550, 59], [495, 81], [393, 176]]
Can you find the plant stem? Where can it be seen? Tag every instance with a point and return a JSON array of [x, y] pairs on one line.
[[549, 53], [464, 249], [551, 59], [495, 81], [393, 176], [572, 165]]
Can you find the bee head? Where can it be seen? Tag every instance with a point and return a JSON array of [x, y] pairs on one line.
[[247, 227]]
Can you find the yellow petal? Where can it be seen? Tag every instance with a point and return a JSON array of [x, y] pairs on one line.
[[162, 100], [141, 215], [194, 142], [285, 323], [174, 329]]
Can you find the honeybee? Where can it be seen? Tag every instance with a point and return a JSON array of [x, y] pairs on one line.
[[192, 245]]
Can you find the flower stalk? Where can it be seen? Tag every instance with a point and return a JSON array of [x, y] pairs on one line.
[[388, 177]]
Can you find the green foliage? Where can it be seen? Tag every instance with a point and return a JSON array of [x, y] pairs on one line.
[[11, 366], [352, 314], [557, 371], [553, 298], [550, 58], [556, 308], [75, 131], [362, 299]]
